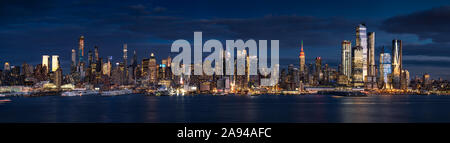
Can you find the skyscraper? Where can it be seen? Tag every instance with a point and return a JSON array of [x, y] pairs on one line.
[[346, 58], [163, 66], [7, 67], [74, 61], [371, 54], [125, 54], [90, 58], [107, 67], [153, 69], [97, 58], [169, 61], [134, 65], [426, 82], [45, 62], [318, 70], [396, 63], [370, 81], [57, 72], [302, 60], [357, 66], [80, 50], [405, 80], [385, 69], [361, 41], [55, 62], [145, 69], [125, 62]]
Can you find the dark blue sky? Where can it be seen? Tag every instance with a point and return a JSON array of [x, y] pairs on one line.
[[31, 28]]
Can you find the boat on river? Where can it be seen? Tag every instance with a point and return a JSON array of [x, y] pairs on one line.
[[116, 92], [80, 93]]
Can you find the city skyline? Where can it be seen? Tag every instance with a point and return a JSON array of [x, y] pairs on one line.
[[328, 34], [368, 64]]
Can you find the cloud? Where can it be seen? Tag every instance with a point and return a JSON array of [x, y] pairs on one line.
[[430, 49], [428, 24], [426, 58], [16, 10], [288, 29]]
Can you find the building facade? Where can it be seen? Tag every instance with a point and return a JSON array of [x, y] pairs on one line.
[[361, 41], [346, 58]]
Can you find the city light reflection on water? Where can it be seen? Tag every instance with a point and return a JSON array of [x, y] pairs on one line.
[[206, 108]]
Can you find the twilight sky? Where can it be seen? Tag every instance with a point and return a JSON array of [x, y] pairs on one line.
[[32, 28]]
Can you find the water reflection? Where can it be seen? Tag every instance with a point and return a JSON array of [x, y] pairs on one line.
[[206, 108]]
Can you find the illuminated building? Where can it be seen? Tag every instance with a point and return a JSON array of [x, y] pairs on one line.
[[27, 70], [371, 79], [125, 54], [318, 70], [153, 69], [107, 67], [134, 65], [7, 67], [74, 61], [247, 70], [163, 67], [125, 61], [98, 67], [405, 80], [346, 58], [81, 64], [385, 69], [97, 58], [310, 75], [81, 70], [342, 80], [55, 62], [361, 41], [145, 69], [90, 70], [426, 82], [57, 73], [357, 66], [45, 62], [326, 74], [80, 50], [302, 61], [15, 74], [90, 58], [117, 74], [396, 63], [169, 61]]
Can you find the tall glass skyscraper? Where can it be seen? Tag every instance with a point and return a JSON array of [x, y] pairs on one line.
[[370, 79], [361, 41], [46, 62], [385, 69], [396, 63], [74, 61], [357, 66], [346, 58], [81, 49], [55, 62]]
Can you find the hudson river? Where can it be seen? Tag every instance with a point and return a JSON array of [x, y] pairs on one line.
[[246, 109]]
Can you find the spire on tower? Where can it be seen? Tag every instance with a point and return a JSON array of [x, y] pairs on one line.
[[301, 52], [302, 45]]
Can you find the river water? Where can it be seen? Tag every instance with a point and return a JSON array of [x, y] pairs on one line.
[[226, 109]]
